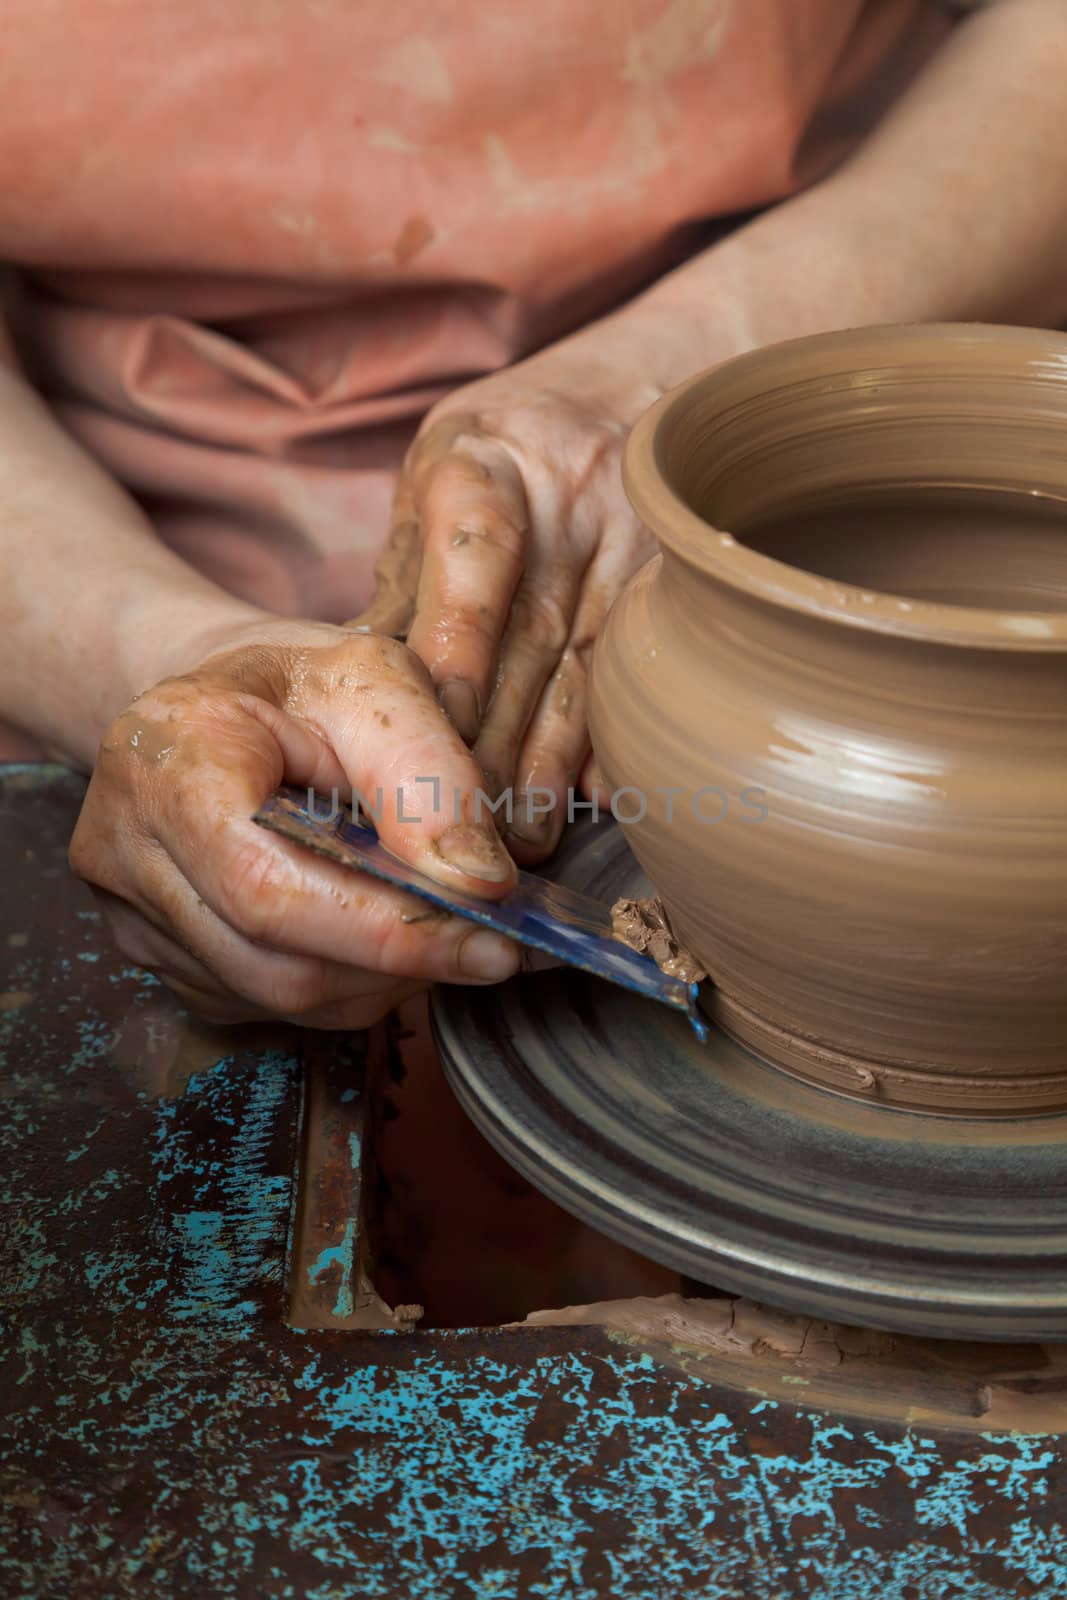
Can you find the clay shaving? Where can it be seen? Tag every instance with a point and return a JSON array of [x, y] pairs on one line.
[[643, 925], [803, 1360]]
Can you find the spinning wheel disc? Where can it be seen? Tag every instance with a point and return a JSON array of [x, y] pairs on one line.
[[716, 1163]]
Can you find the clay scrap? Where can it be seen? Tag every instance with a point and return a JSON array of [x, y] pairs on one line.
[[643, 925]]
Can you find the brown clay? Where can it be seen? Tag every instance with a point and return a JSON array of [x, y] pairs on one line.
[[644, 926], [870, 669], [847, 1370]]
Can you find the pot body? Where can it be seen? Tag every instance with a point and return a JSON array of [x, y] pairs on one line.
[[854, 803]]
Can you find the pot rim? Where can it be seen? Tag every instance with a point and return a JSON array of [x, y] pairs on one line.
[[720, 555]]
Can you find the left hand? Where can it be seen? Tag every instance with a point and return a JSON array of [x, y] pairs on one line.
[[511, 537]]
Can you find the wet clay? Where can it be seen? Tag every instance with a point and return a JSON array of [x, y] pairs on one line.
[[643, 925], [930, 1382], [954, 546], [879, 646]]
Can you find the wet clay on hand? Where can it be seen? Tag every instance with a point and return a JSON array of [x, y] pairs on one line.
[[878, 647]]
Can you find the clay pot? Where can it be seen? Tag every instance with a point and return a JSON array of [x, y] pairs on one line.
[[862, 690]]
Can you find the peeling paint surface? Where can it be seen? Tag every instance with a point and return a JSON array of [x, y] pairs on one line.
[[164, 1432]]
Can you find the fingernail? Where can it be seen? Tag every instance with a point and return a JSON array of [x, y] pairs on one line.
[[460, 704], [531, 825], [534, 833], [487, 955], [492, 783], [475, 852]]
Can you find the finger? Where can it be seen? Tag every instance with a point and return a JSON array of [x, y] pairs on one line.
[[474, 517], [539, 627], [362, 1011], [292, 918], [369, 702], [409, 766], [252, 904], [364, 1000], [296, 932], [372, 706], [145, 939], [556, 745], [592, 784], [396, 572]]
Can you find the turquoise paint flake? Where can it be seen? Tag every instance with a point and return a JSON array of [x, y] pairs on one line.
[[1038, 1555], [461, 1487], [221, 1254], [341, 1255], [29, 1346], [446, 1486]]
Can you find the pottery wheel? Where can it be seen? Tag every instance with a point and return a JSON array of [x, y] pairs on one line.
[[723, 1167]]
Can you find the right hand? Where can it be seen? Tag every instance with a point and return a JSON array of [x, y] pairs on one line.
[[238, 921]]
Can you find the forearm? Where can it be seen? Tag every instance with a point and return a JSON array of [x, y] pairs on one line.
[[93, 608], [954, 209]]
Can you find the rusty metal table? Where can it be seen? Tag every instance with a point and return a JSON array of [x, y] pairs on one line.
[[190, 1407]]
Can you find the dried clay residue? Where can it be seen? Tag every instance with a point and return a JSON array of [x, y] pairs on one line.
[[643, 925], [844, 1369]]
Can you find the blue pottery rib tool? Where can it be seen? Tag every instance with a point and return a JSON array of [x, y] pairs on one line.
[[573, 928]]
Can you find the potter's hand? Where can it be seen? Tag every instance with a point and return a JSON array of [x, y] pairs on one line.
[[511, 538], [243, 924]]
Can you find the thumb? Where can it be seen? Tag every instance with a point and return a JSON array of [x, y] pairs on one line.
[[411, 770]]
